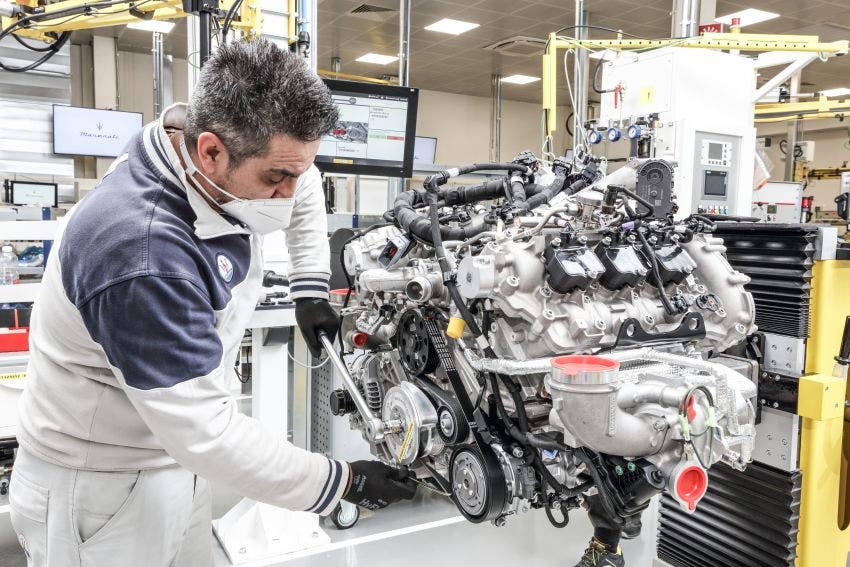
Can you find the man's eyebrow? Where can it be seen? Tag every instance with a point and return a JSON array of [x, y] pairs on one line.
[[285, 172]]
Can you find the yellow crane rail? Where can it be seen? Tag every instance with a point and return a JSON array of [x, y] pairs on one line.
[[73, 15], [782, 111]]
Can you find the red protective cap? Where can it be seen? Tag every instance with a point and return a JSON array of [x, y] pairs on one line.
[[736, 21], [359, 339], [340, 291], [575, 363], [691, 485], [692, 413]]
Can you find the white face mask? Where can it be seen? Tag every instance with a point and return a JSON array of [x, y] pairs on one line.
[[260, 215]]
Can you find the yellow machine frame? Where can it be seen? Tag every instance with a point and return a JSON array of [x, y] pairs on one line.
[[824, 540]]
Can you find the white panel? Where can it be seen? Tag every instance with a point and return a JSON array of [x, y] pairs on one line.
[[26, 112]]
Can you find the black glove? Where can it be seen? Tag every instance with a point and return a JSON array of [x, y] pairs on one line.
[[314, 315], [375, 485]]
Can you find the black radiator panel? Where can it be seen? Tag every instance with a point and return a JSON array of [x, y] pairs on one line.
[[746, 519], [778, 258]]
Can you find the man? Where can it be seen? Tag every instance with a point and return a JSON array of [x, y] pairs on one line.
[[144, 303]]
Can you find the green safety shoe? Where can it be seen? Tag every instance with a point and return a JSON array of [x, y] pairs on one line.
[[598, 554]]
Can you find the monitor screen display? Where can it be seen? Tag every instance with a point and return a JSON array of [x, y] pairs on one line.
[[375, 131], [715, 183], [30, 193], [93, 132], [425, 150]]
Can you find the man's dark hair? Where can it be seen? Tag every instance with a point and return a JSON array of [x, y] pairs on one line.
[[251, 91]]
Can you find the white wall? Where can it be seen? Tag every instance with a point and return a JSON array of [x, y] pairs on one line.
[[135, 82], [461, 125]]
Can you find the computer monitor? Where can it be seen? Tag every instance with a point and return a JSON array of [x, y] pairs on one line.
[[93, 132], [425, 150], [375, 133], [32, 193]]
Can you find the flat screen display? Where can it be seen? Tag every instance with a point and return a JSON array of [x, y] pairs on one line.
[[93, 132], [715, 151], [375, 133], [425, 150], [30, 193], [715, 184]]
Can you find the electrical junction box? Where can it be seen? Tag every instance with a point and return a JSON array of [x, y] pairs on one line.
[[699, 106], [778, 201]]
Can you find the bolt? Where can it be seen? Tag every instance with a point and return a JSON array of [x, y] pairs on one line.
[[764, 374], [500, 521], [775, 404], [518, 452], [631, 467], [618, 470]]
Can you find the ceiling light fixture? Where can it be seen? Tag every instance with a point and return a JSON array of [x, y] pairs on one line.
[[520, 79], [840, 91], [152, 26], [747, 17], [454, 27], [377, 58]]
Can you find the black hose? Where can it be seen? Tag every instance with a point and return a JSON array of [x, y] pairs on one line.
[[546, 194], [434, 181], [518, 197], [650, 210], [599, 90], [408, 219], [656, 274], [473, 194]]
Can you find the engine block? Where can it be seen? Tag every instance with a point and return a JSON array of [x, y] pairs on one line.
[[547, 335]]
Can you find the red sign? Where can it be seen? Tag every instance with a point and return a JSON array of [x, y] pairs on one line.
[[711, 28]]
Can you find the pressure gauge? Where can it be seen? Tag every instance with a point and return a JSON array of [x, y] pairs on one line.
[[594, 137], [634, 132], [614, 134]]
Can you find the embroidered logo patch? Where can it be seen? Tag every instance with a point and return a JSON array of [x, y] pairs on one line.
[[225, 267]]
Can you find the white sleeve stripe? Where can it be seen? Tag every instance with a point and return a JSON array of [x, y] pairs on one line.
[[330, 489]]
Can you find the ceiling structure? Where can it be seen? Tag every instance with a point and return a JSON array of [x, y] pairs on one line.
[[463, 64]]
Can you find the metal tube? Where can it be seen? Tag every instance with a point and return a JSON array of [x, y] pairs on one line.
[[686, 15], [496, 119], [157, 74], [404, 42], [793, 131], [204, 36], [580, 74], [374, 426]]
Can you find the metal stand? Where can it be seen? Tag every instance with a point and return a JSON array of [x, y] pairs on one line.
[[251, 531]]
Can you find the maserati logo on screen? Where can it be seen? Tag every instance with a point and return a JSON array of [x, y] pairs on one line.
[[100, 134]]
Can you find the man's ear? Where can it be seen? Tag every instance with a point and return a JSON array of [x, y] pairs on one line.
[[213, 157]]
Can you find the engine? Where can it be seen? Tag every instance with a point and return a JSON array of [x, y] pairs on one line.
[[547, 336]]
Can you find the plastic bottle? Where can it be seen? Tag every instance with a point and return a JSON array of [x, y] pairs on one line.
[[8, 265]]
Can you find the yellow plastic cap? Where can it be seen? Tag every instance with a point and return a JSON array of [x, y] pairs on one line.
[[455, 328]]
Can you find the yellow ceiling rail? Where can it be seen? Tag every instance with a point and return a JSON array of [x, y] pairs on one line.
[[249, 22], [782, 111], [827, 172], [731, 41]]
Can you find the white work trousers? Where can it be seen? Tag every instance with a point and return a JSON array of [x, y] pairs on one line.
[[77, 518]]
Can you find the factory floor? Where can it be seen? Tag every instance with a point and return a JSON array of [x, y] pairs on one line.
[[425, 532]]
